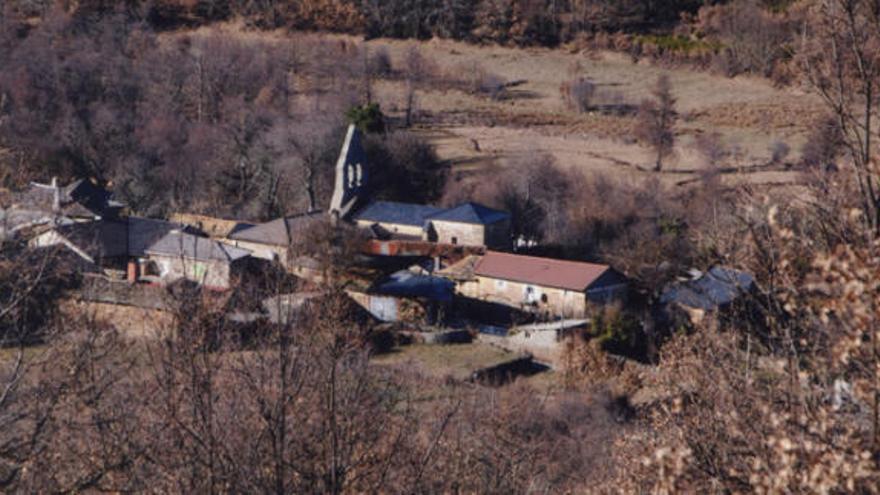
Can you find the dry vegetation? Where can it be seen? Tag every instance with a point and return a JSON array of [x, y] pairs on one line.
[[232, 121]]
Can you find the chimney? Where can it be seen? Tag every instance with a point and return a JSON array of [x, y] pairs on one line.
[[56, 195]]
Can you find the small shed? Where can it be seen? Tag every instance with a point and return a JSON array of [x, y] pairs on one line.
[[709, 292]]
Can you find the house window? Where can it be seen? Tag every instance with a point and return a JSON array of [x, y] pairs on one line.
[[500, 284], [530, 294], [455, 240], [151, 269]]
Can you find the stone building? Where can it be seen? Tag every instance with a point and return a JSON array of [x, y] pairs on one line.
[[713, 292], [181, 256], [147, 250], [400, 220], [52, 204], [469, 224], [272, 240], [555, 288]]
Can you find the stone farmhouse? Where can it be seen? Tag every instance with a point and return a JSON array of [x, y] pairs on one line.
[[469, 224], [551, 287], [147, 250], [181, 256]]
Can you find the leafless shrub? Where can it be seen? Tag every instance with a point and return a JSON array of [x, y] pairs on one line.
[[475, 79], [578, 94], [657, 120], [824, 144], [493, 86], [712, 148], [779, 151], [380, 62]]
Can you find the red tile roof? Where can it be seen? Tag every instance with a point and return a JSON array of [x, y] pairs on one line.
[[546, 272]]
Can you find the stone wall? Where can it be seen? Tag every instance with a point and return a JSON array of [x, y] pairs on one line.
[[104, 290], [396, 228], [558, 302], [258, 250], [464, 234], [544, 346], [213, 274]]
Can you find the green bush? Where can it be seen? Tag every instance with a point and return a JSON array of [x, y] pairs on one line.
[[368, 118]]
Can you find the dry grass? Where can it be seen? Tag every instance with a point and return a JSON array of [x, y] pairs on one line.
[[457, 362], [748, 112]]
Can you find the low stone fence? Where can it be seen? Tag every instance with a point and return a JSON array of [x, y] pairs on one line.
[[96, 288]]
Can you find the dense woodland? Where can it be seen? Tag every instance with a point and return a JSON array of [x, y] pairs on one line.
[[788, 402]]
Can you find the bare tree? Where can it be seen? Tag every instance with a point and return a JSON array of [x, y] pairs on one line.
[[656, 122], [305, 155], [417, 70], [578, 94], [841, 56]]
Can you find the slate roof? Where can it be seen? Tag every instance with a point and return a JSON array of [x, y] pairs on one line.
[[210, 226], [396, 213], [545, 272], [718, 287], [99, 239], [144, 232], [81, 198], [179, 244], [473, 213], [279, 232], [404, 283]]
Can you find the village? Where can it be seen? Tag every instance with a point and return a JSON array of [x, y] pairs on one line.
[[444, 276]]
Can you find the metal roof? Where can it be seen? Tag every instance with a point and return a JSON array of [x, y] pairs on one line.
[[545, 272], [474, 213], [396, 213]]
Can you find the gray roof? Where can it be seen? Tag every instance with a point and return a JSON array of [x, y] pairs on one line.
[[719, 287], [279, 232], [81, 198], [396, 213], [99, 239], [407, 284], [138, 237], [473, 213], [144, 232], [182, 245]]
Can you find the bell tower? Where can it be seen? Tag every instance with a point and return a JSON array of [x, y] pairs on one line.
[[352, 175]]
